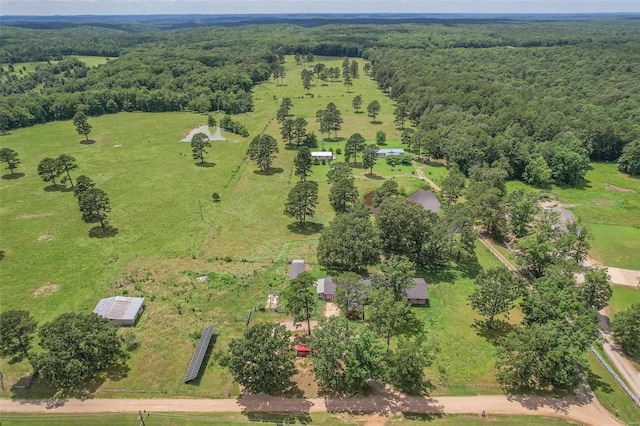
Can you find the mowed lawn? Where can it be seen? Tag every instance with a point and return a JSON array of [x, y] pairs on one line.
[[609, 204]]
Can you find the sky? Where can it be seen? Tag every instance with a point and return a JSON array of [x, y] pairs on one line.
[[152, 7]]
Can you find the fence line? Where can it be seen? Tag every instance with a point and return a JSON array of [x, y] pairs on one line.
[[617, 378]]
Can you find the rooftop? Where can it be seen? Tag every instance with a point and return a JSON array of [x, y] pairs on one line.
[[119, 307]]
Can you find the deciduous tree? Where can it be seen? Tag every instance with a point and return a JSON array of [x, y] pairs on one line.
[[77, 347], [626, 329], [495, 292], [453, 185], [522, 208], [381, 137], [49, 169], [262, 360], [629, 161], [16, 329], [9, 156], [595, 291], [369, 157], [405, 366], [338, 171], [389, 317], [350, 242], [400, 113], [397, 276], [357, 103], [354, 146], [389, 188], [301, 299], [67, 163], [81, 122], [350, 293], [199, 143], [83, 183], [94, 205]]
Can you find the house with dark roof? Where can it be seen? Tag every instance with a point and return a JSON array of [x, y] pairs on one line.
[[120, 310], [297, 267], [326, 289], [426, 199], [418, 294]]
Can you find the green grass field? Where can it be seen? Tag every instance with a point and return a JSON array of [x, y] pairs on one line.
[[622, 298], [52, 265], [25, 68], [609, 204]]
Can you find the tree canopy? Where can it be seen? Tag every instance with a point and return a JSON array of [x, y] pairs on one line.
[[263, 150]]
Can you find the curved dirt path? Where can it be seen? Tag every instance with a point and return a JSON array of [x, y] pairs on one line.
[[624, 365], [584, 409], [423, 177]]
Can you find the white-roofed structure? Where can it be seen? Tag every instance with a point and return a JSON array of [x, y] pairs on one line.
[[120, 310], [389, 152], [322, 155]]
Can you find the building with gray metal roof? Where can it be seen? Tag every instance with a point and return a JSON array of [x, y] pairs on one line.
[[120, 310]]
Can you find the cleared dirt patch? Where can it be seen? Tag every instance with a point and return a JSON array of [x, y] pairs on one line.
[[617, 188], [44, 238], [34, 216], [46, 290], [118, 145]]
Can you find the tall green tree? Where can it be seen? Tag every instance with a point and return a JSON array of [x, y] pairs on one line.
[[83, 183], [629, 161], [94, 205], [389, 188], [406, 137], [453, 185], [595, 291], [331, 120], [81, 121], [302, 201], [373, 109], [350, 292], [354, 146], [345, 360], [367, 68], [495, 293], [354, 69], [49, 169], [338, 171], [299, 130], [348, 82], [350, 242], [542, 355], [405, 366], [307, 78], [396, 277], [9, 156], [287, 130], [263, 359], [522, 210], [301, 299], [381, 137], [199, 144], [78, 347], [389, 317], [343, 195], [263, 150], [17, 329], [400, 113], [369, 157], [302, 163], [626, 329], [357, 103], [67, 163]]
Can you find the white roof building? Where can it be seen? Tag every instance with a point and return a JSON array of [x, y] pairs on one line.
[[120, 310], [322, 155]]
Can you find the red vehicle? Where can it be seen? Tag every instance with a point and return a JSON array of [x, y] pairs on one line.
[[302, 350]]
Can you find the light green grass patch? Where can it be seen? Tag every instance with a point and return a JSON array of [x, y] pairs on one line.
[[622, 298], [616, 246], [94, 61]]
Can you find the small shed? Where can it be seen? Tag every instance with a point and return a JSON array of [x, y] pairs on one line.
[[297, 267], [120, 310], [389, 152], [418, 294], [322, 155], [302, 350], [426, 199], [326, 289]]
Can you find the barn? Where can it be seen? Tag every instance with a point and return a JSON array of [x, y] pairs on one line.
[[120, 310]]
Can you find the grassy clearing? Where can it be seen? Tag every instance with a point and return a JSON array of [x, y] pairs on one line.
[[622, 298], [609, 393], [187, 419], [94, 61], [609, 203]]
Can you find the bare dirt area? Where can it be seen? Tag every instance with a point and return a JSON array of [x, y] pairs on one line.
[[301, 326], [45, 238], [331, 310], [46, 290], [619, 189]]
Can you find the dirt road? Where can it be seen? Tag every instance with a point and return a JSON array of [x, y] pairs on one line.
[[624, 365], [423, 177], [584, 409]]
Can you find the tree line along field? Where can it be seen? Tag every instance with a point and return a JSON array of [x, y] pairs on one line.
[[162, 244]]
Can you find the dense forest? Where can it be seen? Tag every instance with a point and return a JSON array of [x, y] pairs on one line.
[[539, 98]]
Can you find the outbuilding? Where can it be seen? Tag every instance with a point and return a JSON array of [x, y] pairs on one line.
[[389, 152], [322, 155], [418, 294], [297, 267], [326, 289], [120, 310]]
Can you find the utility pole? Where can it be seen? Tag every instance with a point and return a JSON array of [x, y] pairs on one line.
[[141, 416]]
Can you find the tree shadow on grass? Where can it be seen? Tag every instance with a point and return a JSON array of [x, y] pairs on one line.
[[374, 176], [376, 122], [87, 142], [54, 188], [339, 139], [100, 232], [12, 176], [205, 164], [288, 407], [307, 228], [272, 171], [493, 335]]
